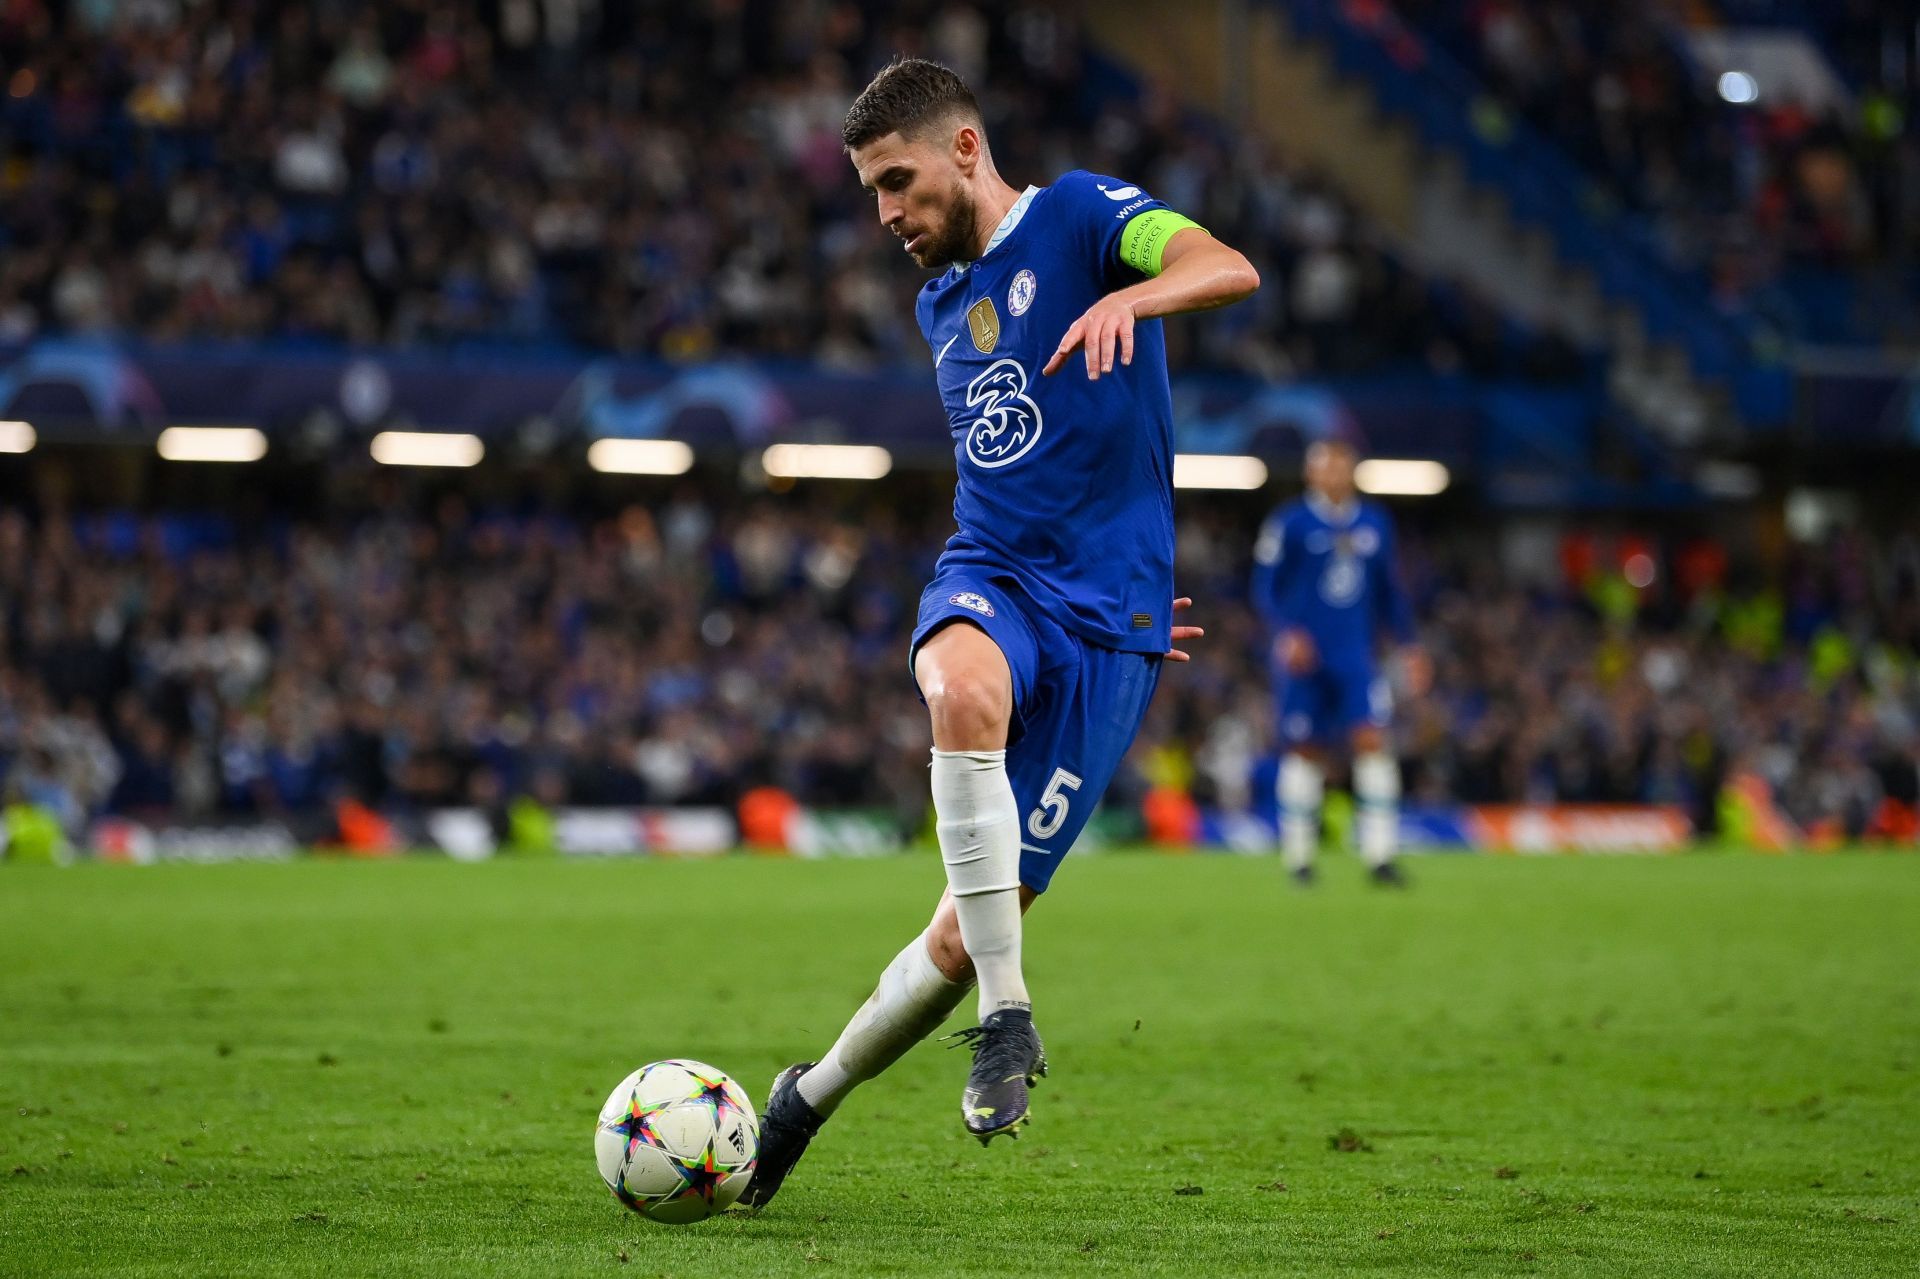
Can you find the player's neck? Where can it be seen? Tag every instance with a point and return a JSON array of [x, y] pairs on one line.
[[1327, 505], [990, 211]]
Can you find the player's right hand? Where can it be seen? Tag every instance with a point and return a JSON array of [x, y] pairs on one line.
[[1106, 325], [1294, 651]]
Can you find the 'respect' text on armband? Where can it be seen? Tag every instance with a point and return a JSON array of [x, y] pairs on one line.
[[1143, 241]]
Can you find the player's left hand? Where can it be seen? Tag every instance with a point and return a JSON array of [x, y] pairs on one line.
[[1181, 634], [1107, 323], [1416, 670]]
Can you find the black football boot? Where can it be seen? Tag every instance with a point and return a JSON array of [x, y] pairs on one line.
[[1007, 1060], [786, 1126]]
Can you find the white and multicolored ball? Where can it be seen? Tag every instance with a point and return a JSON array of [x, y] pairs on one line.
[[677, 1141]]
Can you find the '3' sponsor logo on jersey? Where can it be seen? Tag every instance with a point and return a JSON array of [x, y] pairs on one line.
[[1007, 421], [1340, 580]]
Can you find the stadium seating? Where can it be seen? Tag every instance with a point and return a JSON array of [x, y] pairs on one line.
[[1795, 217], [357, 175], [691, 650], [281, 200]]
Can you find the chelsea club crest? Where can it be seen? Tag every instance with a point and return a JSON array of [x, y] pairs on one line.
[[1020, 293]]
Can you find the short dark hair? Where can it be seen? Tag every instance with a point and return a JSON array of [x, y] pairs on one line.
[[907, 96]]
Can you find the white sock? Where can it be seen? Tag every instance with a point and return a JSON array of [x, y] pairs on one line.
[[1376, 785], [1301, 787], [911, 1001], [978, 822]]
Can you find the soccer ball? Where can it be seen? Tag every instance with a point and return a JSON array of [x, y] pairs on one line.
[[677, 1141]]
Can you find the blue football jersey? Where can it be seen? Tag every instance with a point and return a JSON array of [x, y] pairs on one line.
[[1330, 571], [1064, 483]]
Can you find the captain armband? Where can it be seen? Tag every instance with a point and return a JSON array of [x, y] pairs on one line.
[[1143, 241]]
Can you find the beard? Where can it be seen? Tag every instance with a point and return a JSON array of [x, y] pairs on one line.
[[954, 241]]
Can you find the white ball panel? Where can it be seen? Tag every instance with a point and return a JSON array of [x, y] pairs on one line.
[[649, 1172], [610, 1153], [665, 1082], [684, 1130], [730, 1190]]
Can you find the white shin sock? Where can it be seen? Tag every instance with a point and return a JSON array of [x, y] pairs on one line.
[[978, 822], [911, 1001], [1301, 786], [1376, 785]]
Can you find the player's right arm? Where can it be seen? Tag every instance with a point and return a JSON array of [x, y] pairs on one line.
[[1276, 576], [1163, 263], [1196, 273]]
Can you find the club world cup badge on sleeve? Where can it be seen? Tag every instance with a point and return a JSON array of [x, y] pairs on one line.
[[984, 323]]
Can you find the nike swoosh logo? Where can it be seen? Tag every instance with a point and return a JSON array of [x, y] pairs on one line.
[[944, 350]]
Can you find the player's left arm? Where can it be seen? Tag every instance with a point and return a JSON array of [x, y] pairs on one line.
[[1396, 610], [1186, 269]]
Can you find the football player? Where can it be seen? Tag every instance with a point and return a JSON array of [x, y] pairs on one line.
[[1326, 582], [1051, 612]]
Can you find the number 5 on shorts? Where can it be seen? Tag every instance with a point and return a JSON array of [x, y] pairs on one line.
[[1051, 814]]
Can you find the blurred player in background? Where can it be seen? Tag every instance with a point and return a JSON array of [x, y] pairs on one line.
[[1326, 582], [1040, 639]]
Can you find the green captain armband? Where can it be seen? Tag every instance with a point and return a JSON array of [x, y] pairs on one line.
[[1143, 240]]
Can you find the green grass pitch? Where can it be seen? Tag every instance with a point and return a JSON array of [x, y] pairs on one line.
[[1706, 1065]]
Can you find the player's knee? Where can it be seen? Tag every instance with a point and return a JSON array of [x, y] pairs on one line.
[[1302, 783], [1376, 777], [970, 710]]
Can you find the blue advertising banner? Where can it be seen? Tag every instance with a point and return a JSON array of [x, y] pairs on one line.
[[96, 390]]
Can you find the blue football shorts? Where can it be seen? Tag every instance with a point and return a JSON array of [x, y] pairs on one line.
[[1325, 705], [1076, 707]]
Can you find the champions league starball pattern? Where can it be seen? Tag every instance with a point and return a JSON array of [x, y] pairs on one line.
[[677, 1141]]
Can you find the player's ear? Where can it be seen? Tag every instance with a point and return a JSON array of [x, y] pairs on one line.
[[967, 147]]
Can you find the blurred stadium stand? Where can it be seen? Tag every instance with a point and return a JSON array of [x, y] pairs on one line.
[[1662, 337], [351, 173]]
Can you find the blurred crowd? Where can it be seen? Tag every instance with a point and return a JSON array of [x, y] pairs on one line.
[[690, 651], [1748, 192], [647, 178], [1626, 669]]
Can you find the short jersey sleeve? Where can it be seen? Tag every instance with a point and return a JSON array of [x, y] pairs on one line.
[[1272, 542], [923, 311], [1268, 554], [1115, 223]]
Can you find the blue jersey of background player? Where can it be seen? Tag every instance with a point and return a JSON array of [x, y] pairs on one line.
[[1041, 637], [1326, 580]]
